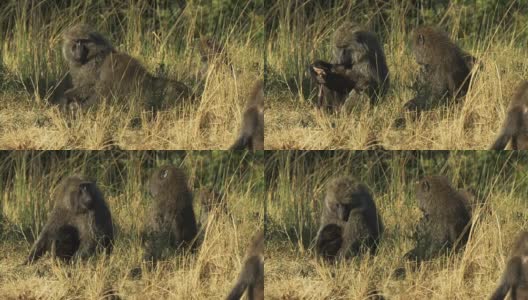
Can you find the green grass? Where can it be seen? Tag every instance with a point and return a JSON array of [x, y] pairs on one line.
[[296, 197], [29, 178]]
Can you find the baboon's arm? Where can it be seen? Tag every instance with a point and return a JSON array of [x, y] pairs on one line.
[[40, 247], [510, 128], [510, 279]]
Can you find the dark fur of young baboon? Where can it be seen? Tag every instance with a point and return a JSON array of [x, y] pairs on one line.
[[251, 134], [362, 50], [444, 70], [515, 127], [172, 222], [100, 72], [335, 81], [446, 221], [349, 205], [79, 225], [251, 277], [515, 277], [210, 200]]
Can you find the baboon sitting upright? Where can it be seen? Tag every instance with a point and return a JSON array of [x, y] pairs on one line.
[[515, 126], [444, 70], [99, 72], [446, 220], [252, 275], [251, 134], [515, 277], [358, 59], [79, 224], [172, 221], [349, 209]]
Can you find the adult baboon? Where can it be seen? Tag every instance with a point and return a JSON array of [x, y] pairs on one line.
[[172, 221], [361, 53], [444, 70], [251, 134], [446, 220], [515, 277], [99, 72], [252, 275], [79, 224], [348, 205], [515, 127]]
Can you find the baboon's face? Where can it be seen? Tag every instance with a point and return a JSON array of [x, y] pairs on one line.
[[79, 51], [419, 48], [343, 56], [82, 197], [340, 209]]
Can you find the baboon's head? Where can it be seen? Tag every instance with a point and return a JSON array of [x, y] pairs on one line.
[[79, 194], [344, 36], [82, 44], [344, 194], [168, 181], [428, 189], [432, 46]]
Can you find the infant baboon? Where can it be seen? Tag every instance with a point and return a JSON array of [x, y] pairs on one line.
[[210, 200], [252, 275], [172, 220], [515, 277], [444, 70], [252, 132], [349, 205], [100, 72], [361, 50], [446, 220], [79, 224], [515, 127], [335, 82]]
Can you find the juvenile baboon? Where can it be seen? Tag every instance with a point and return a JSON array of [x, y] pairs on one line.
[[100, 72], [79, 224], [252, 275], [444, 70], [211, 50], [251, 134], [349, 205], [172, 221], [210, 200], [515, 127], [361, 50], [515, 276], [446, 220]]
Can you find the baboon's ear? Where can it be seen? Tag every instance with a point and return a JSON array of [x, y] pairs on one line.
[[421, 39], [164, 174]]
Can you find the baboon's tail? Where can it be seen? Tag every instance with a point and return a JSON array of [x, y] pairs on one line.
[[510, 279], [511, 128]]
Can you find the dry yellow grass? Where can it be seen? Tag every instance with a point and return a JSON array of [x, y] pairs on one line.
[[32, 57], [207, 274], [293, 272], [292, 122]]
